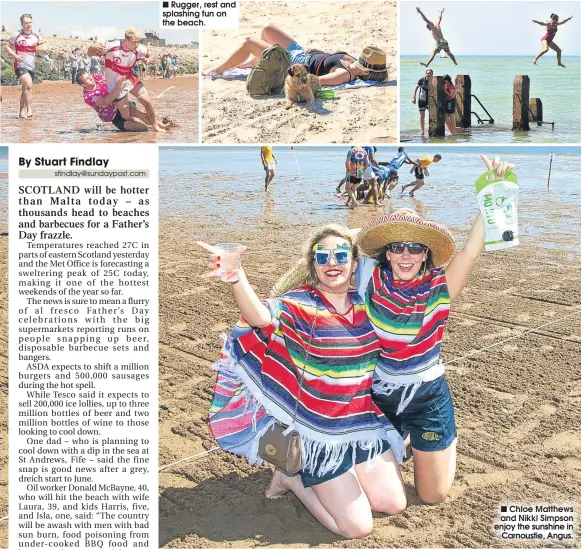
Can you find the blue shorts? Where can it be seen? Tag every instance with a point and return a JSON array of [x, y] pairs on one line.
[[429, 417], [297, 54], [381, 172], [309, 480]]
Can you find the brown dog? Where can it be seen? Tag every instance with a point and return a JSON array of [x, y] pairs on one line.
[[300, 86]]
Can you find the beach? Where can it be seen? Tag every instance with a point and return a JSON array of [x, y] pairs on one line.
[[61, 116], [492, 83], [511, 350], [230, 115]]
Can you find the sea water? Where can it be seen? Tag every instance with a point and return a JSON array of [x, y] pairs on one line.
[[492, 82], [223, 187]]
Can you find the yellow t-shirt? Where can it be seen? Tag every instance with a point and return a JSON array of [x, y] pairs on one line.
[[267, 154], [426, 161]]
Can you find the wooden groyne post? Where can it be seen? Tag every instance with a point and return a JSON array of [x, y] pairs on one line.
[[436, 107], [535, 110], [521, 102], [463, 101]]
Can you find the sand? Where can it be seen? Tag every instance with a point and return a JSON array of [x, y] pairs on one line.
[[369, 115], [60, 115], [517, 409]]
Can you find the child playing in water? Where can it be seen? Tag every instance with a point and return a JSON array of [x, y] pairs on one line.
[[547, 40]]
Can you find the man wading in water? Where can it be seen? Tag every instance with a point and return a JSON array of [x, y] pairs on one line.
[[25, 43]]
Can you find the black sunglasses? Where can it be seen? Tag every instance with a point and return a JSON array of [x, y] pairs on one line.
[[413, 248]]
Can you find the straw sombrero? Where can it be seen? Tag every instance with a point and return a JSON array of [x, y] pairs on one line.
[[372, 59], [407, 226]]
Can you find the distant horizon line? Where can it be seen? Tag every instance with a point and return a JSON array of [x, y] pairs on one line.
[[483, 55]]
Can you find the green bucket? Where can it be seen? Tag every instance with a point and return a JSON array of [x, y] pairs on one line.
[[326, 94]]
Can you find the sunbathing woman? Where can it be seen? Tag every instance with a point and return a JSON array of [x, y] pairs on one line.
[[547, 40], [331, 69], [306, 359]]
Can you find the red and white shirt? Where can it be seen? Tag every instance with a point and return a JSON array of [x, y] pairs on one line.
[[106, 112], [119, 63], [25, 46]]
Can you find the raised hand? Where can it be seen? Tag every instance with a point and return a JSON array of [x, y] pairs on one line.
[[498, 164], [222, 263]]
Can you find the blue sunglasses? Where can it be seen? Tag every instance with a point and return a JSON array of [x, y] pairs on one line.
[[323, 256]]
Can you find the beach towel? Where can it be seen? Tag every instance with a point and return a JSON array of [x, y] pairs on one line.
[[231, 74], [242, 74], [353, 85]]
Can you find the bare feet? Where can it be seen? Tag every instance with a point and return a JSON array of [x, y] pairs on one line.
[[535, 61], [277, 487], [213, 72], [422, 63], [560, 64]]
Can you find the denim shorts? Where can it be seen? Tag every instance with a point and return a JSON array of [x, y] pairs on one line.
[[297, 54], [308, 480], [429, 417]]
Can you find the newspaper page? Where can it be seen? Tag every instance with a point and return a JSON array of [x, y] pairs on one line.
[[300, 273]]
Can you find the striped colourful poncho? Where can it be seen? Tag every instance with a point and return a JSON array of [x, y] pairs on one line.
[[409, 319], [260, 375]]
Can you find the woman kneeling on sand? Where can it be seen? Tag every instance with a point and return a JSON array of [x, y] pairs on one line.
[[331, 69], [407, 291], [305, 359]]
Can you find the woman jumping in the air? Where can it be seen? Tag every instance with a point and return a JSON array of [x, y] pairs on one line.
[[547, 40]]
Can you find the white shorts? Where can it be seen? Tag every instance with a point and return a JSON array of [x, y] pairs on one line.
[[269, 166], [125, 90], [368, 174]]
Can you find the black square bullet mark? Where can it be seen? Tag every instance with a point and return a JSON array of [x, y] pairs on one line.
[[165, 4], [503, 508]]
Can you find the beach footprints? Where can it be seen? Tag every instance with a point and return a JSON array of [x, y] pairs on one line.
[[525, 428]]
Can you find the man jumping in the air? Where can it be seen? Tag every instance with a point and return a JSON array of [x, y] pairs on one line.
[[441, 43]]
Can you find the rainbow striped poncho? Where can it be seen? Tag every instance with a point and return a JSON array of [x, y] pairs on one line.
[[409, 320], [259, 378]]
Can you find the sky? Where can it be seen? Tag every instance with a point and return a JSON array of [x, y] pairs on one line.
[[95, 18], [489, 28]]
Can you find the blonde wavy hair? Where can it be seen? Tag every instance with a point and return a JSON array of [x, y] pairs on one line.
[[303, 272]]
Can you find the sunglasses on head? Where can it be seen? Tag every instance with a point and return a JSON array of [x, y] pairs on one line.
[[413, 248], [322, 256]]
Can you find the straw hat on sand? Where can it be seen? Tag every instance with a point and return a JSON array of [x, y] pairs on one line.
[[407, 226]]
